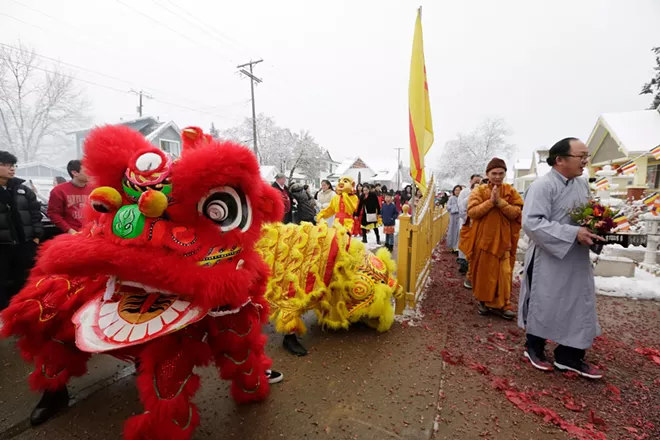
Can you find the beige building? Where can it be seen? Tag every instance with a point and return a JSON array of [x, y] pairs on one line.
[[620, 137], [526, 172]]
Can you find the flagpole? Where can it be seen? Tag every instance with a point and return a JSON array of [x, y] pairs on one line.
[[413, 199]]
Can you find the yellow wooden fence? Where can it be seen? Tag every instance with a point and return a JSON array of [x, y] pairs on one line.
[[418, 238]]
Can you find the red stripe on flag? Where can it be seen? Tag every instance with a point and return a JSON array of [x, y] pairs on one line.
[[414, 148]]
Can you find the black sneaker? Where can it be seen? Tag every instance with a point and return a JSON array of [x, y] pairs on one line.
[[294, 346], [50, 404], [482, 309], [274, 376], [538, 360], [582, 368]]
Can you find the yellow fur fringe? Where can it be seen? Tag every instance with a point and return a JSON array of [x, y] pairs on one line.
[[361, 286]]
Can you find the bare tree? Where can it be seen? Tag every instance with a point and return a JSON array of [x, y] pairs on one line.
[[280, 147], [37, 105], [270, 138], [470, 152], [653, 86], [306, 155]]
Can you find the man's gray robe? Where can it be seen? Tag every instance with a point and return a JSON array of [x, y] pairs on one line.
[[560, 303]]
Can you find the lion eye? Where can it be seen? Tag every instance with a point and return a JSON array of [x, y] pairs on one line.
[[148, 162], [227, 207]]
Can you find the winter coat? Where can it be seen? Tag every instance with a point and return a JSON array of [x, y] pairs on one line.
[[369, 205], [20, 214], [286, 197], [306, 209], [389, 214], [324, 198]]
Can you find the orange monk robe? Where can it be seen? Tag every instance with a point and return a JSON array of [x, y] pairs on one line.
[[494, 234]]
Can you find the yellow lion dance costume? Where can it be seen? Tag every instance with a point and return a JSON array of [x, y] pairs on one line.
[[320, 268]]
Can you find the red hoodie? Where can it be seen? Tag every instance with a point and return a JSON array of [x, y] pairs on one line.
[[66, 205]]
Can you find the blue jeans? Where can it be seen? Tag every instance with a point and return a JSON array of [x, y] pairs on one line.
[[389, 239]]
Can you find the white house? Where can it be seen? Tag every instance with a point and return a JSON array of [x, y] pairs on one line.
[[268, 173], [41, 175], [526, 172]]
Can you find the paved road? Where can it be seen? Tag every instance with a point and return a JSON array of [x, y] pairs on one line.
[[357, 384]]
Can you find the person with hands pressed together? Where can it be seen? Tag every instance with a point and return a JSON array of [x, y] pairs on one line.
[[557, 296], [495, 211]]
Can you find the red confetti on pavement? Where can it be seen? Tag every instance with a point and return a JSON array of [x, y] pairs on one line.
[[449, 359], [650, 353], [584, 409], [480, 368]]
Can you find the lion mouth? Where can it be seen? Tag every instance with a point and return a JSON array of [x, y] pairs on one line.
[[130, 313]]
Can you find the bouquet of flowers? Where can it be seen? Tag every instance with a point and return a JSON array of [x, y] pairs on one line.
[[596, 217]]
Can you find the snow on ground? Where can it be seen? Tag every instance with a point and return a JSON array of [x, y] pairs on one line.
[[643, 286]]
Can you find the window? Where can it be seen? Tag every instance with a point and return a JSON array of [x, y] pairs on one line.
[[171, 147], [653, 176]]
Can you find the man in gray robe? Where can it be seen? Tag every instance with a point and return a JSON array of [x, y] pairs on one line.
[[557, 297]]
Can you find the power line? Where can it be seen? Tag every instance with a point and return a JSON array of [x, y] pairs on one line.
[[117, 90], [196, 25], [100, 74], [222, 35], [168, 27]]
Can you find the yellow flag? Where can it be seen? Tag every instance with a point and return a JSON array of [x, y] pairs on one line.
[[419, 109]]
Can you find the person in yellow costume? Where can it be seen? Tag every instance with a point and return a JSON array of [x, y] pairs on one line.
[[319, 268], [342, 205]]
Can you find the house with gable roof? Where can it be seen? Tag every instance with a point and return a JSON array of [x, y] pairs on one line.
[[618, 138], [164, 135]]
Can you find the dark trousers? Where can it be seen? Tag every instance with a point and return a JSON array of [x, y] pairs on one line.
[[564, 355], [16, 260], [288, 218]]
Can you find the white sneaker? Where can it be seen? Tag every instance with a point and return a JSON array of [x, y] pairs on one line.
[[467, 284], [274, 376]]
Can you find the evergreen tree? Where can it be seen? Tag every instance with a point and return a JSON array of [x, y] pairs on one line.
[[653, 87], [214, 132]]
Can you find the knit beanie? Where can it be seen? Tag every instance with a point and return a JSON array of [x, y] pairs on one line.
[[496, 162]]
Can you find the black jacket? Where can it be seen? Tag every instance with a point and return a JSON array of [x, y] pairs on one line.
[[20, 214], [370, 205], [306, 209]]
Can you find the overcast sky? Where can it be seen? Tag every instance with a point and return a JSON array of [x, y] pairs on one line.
[[341, 70]]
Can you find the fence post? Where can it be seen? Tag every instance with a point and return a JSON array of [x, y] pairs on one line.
[[403, 259]]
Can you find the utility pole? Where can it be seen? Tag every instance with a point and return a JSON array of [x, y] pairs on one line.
[[253, 78], [141, 93], [398, 168]]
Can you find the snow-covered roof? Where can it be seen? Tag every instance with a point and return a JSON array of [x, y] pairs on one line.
[[296, 175], [636, 132], [24, 169], [164, 126], [384, 176], [345, 165], [522, 165], [146, 119], [268, 172]]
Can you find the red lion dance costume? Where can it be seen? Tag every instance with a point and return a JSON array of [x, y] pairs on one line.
[[164, 273]]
